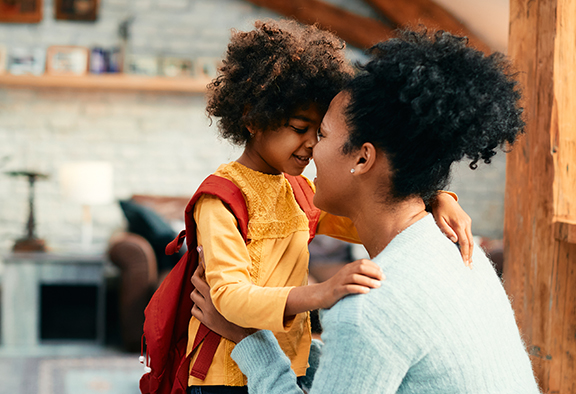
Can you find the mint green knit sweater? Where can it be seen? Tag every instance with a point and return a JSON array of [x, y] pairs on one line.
[[434, 327]]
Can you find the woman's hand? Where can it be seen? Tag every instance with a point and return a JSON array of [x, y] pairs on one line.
[[206, 313], [357, 277], [455, 224]]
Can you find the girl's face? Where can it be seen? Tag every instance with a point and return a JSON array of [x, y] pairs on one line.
[[333, 189], [289, 148]]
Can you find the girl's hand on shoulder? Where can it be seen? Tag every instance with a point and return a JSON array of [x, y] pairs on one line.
[[354, 278], [357, 277], [455, 224]]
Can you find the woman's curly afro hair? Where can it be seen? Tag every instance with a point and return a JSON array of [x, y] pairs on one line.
[[428, 101], [273, 71]]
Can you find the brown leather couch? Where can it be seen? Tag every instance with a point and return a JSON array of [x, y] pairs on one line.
[[137, 261]]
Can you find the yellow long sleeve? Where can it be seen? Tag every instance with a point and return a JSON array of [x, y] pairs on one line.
[[250, 281], [228, 265]]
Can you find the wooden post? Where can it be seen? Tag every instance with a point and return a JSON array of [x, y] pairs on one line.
[[540, 204]]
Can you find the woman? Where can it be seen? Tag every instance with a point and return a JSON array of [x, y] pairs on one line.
[[386, 146]]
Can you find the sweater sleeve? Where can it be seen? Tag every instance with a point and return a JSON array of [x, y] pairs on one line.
[[352, 360], [228, 271], [337, 227], [313, 361]]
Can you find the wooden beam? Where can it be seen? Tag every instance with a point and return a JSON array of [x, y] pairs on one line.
[[565, 230], [356, 30], [540, 260], [426, 12]]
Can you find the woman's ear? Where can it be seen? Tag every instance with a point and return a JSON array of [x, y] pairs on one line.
[[365, 158]]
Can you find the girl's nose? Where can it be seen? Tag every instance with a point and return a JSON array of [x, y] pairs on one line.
[[311, 138]]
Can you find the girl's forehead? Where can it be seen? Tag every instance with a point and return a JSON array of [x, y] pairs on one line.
[[310, 113]]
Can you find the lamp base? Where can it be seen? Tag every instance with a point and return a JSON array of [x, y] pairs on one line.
[[29, 245]]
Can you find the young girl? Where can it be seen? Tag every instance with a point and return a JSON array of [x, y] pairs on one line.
[[275, 86]]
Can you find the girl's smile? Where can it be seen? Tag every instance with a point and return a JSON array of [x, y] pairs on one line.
[[287, 149]]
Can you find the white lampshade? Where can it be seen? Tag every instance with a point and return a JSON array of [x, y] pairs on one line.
[[87, 182]]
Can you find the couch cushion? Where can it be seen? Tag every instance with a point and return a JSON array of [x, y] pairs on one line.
[[148, 224]]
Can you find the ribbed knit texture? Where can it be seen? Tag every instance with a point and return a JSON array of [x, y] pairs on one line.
[[434, 326]]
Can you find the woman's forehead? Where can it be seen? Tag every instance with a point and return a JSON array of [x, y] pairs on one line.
[[336, 110]]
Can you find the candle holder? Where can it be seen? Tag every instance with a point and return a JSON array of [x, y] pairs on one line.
[[30, 242]]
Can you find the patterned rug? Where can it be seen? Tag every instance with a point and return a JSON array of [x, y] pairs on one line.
[[92, 375]]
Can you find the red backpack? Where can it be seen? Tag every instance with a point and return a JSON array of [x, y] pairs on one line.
[[169, 311]]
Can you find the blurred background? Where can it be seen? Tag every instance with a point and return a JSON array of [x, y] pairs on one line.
[[104, 137]]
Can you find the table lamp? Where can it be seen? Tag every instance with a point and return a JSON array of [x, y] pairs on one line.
[[30, 243], [87, 183]]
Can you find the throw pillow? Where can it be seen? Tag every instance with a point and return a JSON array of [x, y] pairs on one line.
[[148, 224]]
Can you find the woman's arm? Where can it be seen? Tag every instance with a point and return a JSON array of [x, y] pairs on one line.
[[205, 312], [347, 358], [350, 362]]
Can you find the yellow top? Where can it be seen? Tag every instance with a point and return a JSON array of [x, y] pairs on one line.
[[250, 282]]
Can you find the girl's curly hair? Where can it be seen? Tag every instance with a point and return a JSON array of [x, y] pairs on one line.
[[428, 101], [271, 72]]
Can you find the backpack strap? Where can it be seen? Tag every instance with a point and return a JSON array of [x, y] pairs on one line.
[[232, 196], [226, 191], [304, 197]]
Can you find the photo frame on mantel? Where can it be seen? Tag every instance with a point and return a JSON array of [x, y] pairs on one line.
[[20, 11], [67, 60], [77, 10]]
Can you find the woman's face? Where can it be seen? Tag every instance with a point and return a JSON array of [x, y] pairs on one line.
[[333, 176]]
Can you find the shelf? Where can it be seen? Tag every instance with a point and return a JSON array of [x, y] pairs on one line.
[[565, 230], [108, 82]]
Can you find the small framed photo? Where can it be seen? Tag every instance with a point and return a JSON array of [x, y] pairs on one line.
[[67, 60], [22, 61], [142, 65], [20, 11], [76, 10], [3, 59], [176, 67], [207, 67]]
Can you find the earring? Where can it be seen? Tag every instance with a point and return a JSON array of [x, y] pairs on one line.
[[352, 171]]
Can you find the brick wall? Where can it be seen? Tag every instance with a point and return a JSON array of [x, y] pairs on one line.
[[158, 143]]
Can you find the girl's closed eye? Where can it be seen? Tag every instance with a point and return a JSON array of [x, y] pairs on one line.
[[299, 130], [300, 126]]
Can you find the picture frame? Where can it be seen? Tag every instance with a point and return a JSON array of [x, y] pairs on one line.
[[146, 65], [176, 67], [3, 59], [76, 10], [67, 60], [21, 61], [20, 11], [207, 67]]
